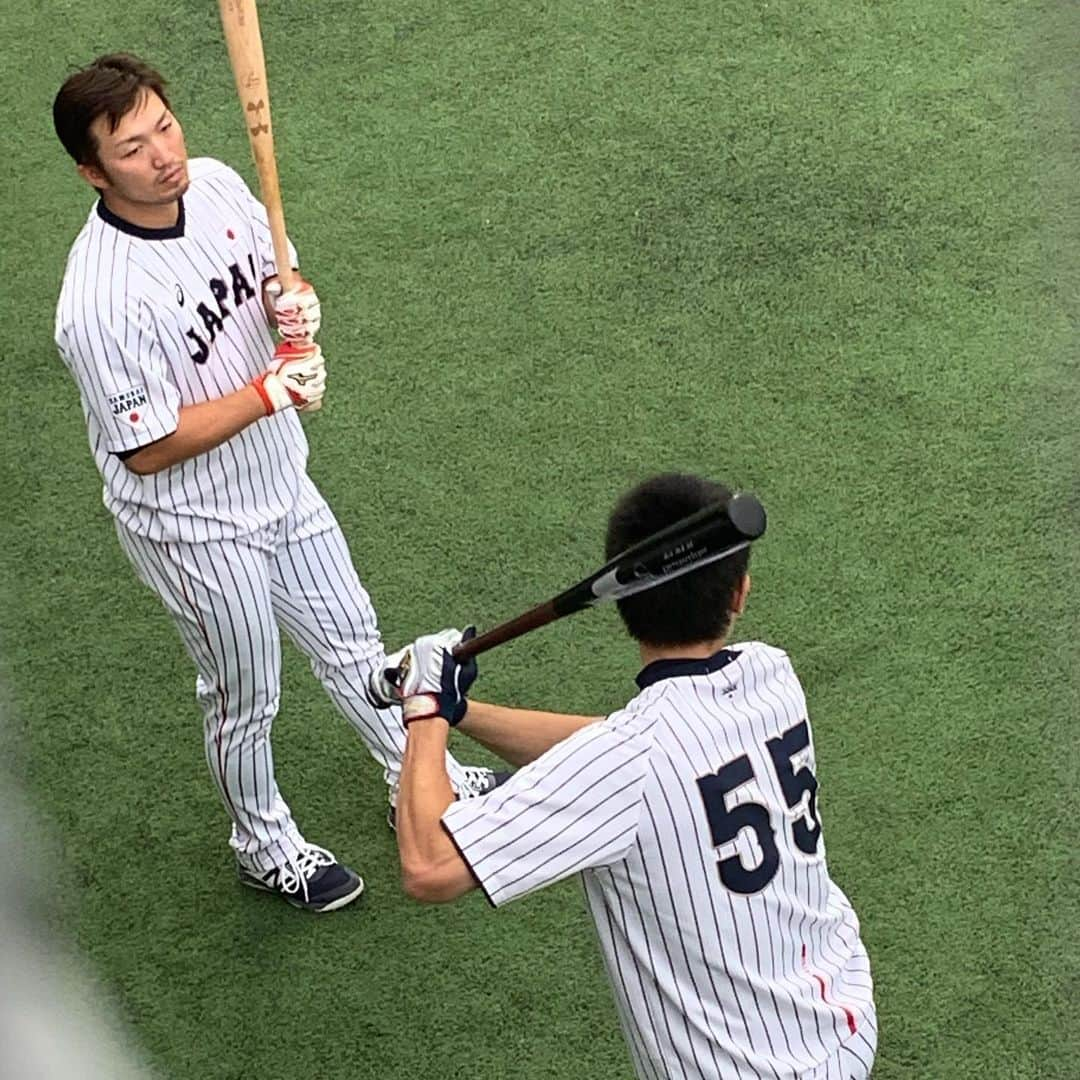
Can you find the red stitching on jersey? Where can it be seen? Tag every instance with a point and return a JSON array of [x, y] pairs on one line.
[[821, 983]]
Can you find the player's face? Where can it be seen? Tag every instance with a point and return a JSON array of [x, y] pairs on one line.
[[143, 163]]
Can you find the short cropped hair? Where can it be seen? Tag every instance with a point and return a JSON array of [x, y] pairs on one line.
[[696, 606], [109, 86]]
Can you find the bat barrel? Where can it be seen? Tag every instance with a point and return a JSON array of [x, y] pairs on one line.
[[712, 533], [746, 514], [240, 22]]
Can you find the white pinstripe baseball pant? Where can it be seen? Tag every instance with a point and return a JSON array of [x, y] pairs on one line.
[[228, 598]]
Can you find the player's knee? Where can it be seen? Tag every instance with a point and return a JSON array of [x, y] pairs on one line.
[[232, 711]]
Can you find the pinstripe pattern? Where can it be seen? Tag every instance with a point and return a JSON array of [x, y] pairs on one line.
[[227, 598], [855, 1058], [127, 307], [757, 973], [236, 542]]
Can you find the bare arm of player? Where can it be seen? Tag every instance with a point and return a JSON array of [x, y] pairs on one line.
[[519, 736], [296, 379], [432, 870], [201, 427]]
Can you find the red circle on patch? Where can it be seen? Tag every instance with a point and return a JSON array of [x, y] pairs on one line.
[[134, 417], [230, 234]]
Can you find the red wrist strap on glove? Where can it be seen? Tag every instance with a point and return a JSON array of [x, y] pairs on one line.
[[257, 383], [420, 707]]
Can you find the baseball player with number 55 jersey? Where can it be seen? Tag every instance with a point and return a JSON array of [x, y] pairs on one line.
[[691, 815], [193, 415]]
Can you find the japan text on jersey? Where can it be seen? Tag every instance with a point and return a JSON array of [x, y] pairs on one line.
[[152, 320]]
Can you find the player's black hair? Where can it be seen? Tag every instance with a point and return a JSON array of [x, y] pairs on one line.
[[109, 86], [695, 607]]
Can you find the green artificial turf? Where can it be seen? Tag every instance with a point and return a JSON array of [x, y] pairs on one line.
[[825, 251]]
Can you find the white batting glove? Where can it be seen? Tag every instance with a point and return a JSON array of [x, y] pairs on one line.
[[297, 310], [431, 682], [384, 688], [295, 380]]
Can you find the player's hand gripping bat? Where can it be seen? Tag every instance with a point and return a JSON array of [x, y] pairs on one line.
[[702, 538]]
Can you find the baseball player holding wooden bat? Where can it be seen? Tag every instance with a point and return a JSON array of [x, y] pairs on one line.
[[691, 813], [164, 320]]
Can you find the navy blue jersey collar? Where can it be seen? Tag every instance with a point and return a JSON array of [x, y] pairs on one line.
[[673, 669], [173, 232]]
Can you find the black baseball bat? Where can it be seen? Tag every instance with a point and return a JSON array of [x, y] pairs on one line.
[[709, 534]]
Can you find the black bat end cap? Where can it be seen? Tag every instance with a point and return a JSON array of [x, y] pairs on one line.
[[747, 514]]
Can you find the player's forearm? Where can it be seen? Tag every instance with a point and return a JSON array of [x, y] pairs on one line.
[[424, 793], [200, 428], [519, 735]]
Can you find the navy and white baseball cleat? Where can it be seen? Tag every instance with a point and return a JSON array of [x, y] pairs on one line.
[[478, 781], [314, 881]]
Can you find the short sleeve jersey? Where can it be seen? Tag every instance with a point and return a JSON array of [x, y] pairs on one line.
[[151, 320], [691, 815]]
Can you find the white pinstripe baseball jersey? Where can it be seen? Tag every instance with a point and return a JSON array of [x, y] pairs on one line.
[[692, 815], [236, 542], [150, 320]]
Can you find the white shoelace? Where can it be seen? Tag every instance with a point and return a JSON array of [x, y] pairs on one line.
[[477, 781], [296, 873]]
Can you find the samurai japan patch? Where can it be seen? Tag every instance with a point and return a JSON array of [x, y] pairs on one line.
[[127, 400]]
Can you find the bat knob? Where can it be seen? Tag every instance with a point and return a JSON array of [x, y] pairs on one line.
[[746, 514]]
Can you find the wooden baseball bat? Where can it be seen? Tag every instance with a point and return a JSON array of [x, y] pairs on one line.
[[712, 533], [240, 20]]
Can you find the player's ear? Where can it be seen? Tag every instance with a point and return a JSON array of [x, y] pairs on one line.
[[94, 176], [738, 602]]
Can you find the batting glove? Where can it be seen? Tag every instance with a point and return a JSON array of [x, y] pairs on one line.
[[297, 310], [295, 380], [432, 682], [384, 684]]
